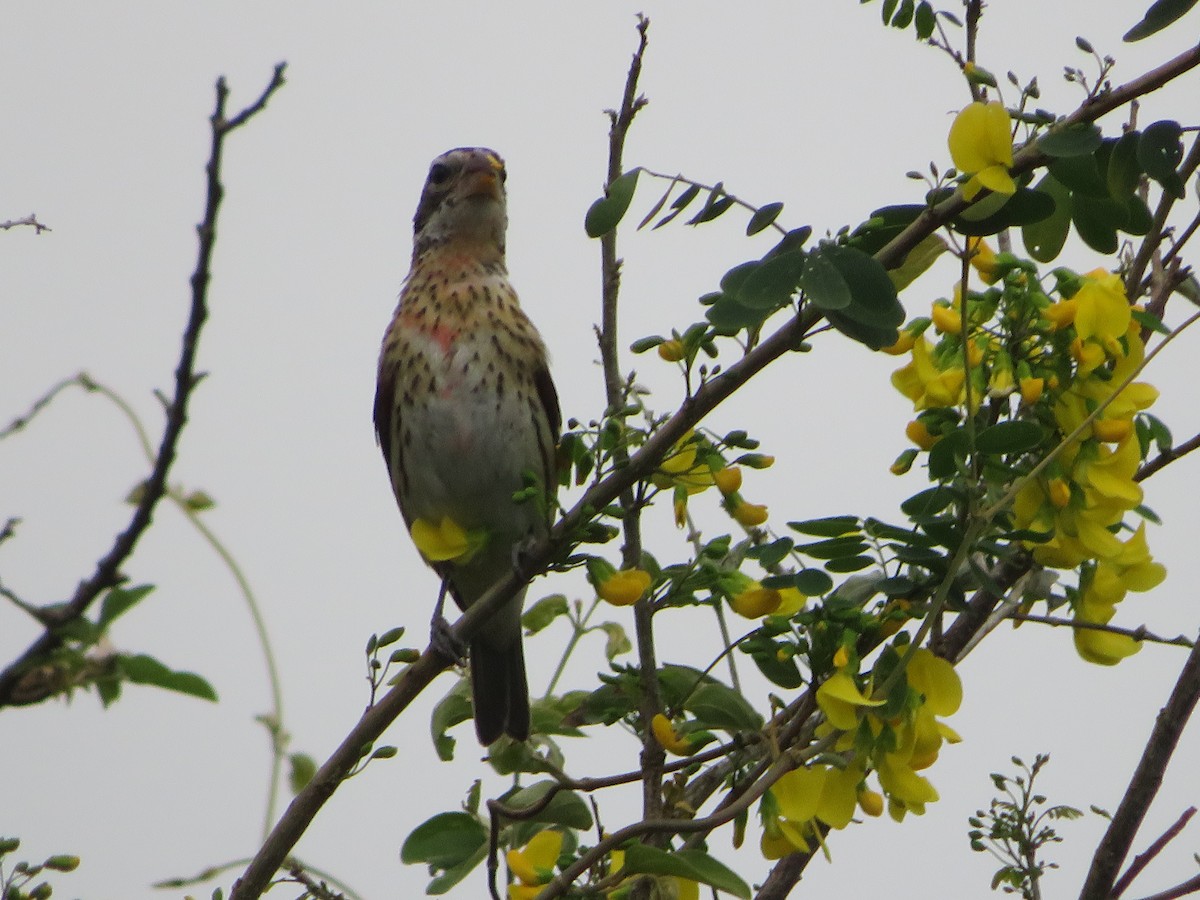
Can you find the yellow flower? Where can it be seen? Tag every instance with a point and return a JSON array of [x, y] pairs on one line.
[[680, 469], [729, 480], [839, 699], [903, 344], [534, 865], [936, 679], [671, 351], [624, 588], [1112, 431], [749, 515], [1061, 314], [927, 386], [791, 602], [983, 259], [445, 541], [668, 738], [1102, 311], [1031, 390], [870, 802], [946, 319], [756, 601], [981, 146]]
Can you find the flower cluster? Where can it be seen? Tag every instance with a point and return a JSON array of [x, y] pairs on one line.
[[695, 465], [1068, 357]]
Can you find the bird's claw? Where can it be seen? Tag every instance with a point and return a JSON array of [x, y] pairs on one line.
[[522, 553], [445, 642]]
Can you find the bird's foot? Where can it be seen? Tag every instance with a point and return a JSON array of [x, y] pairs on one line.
[[522, 562], [445, 642]]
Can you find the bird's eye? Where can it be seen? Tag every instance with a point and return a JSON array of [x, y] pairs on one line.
[[438, 173]]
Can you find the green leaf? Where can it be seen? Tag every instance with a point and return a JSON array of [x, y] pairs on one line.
[[1045, 238], [834, 547], [1124, 170], [1160, 14], [813, 582], [904, 15], [452, 709], [1150, 321], [918, 261], [1093, 223], [1082, 174], [868, 335], [928, 502], [1160, 151], [606, 213], [926, 20], [830, 526], [642, 859], [120, 600], [1024, 207], [1079, 139], [301, 769], [727, 314], [716, 203], [823, 284], [873, 297], [444, 841], [849, 564], [1010, 437], [763, 217], [716, 706], [453, 875], [544, 612], [618, 641], [142, 669], [771, 284], [565, 808]]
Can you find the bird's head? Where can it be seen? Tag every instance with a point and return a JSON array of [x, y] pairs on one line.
[[463, 200]]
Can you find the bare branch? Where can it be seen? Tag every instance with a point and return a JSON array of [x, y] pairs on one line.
[[108, 569], [1167, 457], [30, 220], [1147, 779], [1144, 859]]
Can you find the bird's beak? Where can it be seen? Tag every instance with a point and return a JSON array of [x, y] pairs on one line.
[[482, 180]]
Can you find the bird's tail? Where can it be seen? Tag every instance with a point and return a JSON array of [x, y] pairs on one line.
[[499, 690]]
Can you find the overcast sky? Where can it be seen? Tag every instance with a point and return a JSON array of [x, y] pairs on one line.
[[105, 135]]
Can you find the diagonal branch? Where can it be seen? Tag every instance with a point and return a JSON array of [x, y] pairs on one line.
[[108, 569], [1147, 779], [540, 556]]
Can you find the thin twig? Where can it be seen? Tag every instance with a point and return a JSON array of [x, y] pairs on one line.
[[1144, 859], [30, 220], [108, 569], [1147, 778], [1166, 458], [1138, 634]]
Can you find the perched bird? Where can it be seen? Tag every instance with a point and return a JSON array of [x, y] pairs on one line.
[[467, 416]]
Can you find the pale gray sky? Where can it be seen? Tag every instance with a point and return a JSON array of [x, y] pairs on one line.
[[105, 136]]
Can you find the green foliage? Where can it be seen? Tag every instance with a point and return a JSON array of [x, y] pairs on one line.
[[24, 880], [1017, 828]]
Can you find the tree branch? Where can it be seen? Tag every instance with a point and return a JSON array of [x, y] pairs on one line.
[[542, 554], [108, 570], [1147, 779]]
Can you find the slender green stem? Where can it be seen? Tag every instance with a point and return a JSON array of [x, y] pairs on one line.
[[275, 722], [579, 629]]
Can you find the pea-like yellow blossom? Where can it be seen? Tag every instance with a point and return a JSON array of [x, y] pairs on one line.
[[534, 864], [981, 146], [668, 738], [756, 601], [624, 588], [749, 515], [729, 480]]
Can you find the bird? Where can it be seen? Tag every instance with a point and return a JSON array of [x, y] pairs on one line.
[[467, 417]]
